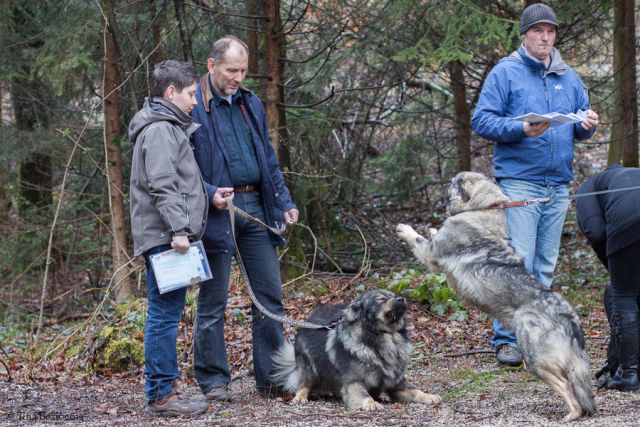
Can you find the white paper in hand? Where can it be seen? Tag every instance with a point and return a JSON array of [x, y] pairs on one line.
[[174, 270], [555, 119]]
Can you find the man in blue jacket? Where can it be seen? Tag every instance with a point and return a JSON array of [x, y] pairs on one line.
[[532, 160], [235, 156]]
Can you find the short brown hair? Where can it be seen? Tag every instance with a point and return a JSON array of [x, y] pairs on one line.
[[170, 72]]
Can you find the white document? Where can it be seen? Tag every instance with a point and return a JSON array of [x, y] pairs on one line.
[[556, 119], [174, 270]]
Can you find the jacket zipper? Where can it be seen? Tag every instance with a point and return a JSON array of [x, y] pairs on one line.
[[186, 204]]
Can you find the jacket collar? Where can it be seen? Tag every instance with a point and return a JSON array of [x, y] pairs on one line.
[[557, 65], [208, 94]]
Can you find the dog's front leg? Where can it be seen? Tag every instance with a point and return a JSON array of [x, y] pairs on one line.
[[356, 397], [414, 395], [419, 245], [302, 396]]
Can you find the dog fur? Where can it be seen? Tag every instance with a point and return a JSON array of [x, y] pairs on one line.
[[472, 249], [362, 357]]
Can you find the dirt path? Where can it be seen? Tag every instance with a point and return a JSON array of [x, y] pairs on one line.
[[475, 391]]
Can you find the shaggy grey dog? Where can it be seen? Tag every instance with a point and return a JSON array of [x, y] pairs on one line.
[[362, 357], [472, 249]]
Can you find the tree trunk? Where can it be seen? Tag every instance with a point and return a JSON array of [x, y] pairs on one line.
[[253, 34], [185, 36], [624, 132], [463, 116], [112, 132], [5, 200], [274, 91], [35, 173], [156, 30]]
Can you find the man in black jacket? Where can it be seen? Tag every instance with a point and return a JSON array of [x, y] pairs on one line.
[[611, 222]]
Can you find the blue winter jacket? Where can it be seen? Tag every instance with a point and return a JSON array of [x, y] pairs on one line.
[[517, 85], [212, 158]]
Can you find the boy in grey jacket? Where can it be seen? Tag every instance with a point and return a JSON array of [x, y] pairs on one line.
[[168, 207]]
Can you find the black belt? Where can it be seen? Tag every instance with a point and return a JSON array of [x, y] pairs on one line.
[[245, 188]]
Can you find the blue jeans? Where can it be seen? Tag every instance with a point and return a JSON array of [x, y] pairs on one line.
[[534, 233], [163, 314], [260, 259]]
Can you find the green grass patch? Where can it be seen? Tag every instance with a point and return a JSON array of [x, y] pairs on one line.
[[430, 289], [474, 382]]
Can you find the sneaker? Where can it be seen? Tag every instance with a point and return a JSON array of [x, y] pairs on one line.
[[218, 393], [508, 355], [174, 405]]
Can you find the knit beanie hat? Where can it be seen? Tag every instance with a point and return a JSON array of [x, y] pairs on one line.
[[535, 14]]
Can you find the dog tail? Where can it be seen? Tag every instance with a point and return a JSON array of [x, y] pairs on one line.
[[580, 379], [285, 372]]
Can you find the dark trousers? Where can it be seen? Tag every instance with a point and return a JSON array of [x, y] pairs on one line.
[[624, 269], [260, 258]]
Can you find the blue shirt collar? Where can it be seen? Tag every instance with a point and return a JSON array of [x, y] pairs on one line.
[[217, 99]]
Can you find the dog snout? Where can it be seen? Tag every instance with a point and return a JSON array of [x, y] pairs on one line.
[[401, 300]]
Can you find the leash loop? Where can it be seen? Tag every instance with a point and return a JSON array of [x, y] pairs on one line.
[[233, 210]]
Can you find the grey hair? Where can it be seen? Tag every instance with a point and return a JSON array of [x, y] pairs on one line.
[[222, 45]]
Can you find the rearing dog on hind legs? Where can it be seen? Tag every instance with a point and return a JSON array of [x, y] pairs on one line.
[[472, 249]]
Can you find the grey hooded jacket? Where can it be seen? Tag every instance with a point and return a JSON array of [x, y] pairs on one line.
[[167, 194]]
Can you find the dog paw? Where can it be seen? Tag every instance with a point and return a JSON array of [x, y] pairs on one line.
[[406, 233], [298, 400], [417, 396], [301, 397], [429, 399], [369, 404], [572, 416], [431, 233]]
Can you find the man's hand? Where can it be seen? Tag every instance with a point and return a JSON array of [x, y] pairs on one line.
[[180, 244], [591, 121], [535, 129], [218, 200], [291, 216]]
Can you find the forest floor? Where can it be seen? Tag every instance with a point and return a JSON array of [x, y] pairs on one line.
[[452, 357], [449, 360]]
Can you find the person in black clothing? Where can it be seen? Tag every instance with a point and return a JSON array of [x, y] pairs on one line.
[[611, 222]]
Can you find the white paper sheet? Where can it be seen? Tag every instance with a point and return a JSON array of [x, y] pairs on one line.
[[556, 119], [174, 270]]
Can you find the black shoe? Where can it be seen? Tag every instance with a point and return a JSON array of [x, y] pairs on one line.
[[628, 331], [508, 355], [622, 381], [175, 405], [218, 393]]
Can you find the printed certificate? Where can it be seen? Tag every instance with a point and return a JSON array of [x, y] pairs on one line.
[[174, 270]]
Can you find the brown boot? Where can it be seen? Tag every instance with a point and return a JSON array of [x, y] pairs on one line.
[[174, 405]]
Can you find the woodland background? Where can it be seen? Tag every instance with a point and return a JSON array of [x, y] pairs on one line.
[[368, 102]]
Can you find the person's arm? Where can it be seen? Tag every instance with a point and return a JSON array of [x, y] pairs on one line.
[[160, 152], [591, 219], [587, 128], [276, 175], [489, 120]]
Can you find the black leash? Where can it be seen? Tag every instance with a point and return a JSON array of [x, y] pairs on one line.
[[541, 200], [233, 210]]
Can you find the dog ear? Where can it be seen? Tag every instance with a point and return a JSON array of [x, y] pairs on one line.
[[474, 192], [464, 195], [352, 313]]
